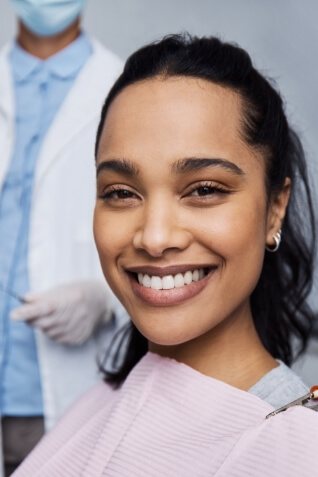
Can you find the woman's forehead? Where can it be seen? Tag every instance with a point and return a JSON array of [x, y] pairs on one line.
[[167, 119], [172, 97], [182, 109]]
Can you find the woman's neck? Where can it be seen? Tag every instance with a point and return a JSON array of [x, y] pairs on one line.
[[231, 352]]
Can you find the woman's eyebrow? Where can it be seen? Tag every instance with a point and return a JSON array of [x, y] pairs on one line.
[[121, 166], [195, 163]]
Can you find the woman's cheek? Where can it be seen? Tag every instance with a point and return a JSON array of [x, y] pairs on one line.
[[221, 230], [229, 232], [104, 234], [243, 222], [109, 230]]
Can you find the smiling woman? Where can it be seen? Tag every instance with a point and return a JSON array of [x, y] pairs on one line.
[[196, 158], [199, 177]]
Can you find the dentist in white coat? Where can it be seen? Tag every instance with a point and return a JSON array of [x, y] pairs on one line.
[[54, 79]]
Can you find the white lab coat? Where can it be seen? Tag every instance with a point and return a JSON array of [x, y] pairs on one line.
[[61, 246]]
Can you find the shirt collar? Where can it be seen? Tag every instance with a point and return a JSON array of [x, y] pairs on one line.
[[23, 64], [64, 64]]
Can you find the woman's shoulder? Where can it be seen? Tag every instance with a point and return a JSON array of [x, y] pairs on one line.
[[285, 444], [279, 386], [96, 398]]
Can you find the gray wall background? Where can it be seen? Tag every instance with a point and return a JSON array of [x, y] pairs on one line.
[[280, 35]]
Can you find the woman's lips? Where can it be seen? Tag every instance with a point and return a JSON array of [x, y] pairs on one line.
[[170, 297], [168, 270]]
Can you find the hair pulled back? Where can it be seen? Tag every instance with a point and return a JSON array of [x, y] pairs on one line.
[[279, 301]]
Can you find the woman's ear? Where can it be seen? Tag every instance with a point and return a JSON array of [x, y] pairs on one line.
[[276, 213]]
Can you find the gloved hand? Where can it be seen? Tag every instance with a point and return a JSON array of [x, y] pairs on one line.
[[69, 313]]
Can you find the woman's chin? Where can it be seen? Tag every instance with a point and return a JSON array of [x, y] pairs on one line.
[[165, 337]]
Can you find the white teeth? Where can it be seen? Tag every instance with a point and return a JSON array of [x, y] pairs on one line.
[[187, 278], [195, 275], [156, 283], [146, 281], [178, 280], [169, 281]]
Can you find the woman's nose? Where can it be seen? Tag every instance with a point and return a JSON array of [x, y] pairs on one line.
[[161, 229]]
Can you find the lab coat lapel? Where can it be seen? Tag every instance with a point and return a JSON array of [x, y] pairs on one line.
[[80, 107], [6, 112]]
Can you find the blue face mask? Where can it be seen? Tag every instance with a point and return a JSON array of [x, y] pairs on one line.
[[47, 17]]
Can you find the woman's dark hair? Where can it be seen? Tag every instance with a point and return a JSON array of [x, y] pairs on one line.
[[279, 302]]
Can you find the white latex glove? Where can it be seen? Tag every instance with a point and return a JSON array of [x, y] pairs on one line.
[[68, 314]]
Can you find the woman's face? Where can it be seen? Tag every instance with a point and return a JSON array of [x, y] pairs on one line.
[[181, 218]]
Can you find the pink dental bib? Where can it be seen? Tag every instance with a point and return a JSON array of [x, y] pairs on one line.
[[168, 420]]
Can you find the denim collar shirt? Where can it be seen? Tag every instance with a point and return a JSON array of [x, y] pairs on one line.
[[40, 87]]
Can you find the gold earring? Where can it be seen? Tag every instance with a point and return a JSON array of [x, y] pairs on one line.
[[277, 239]]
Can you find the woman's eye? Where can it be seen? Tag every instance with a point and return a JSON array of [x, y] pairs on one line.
[[207, 190], [120, 195]]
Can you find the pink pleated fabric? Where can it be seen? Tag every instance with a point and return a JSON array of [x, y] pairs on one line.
[[168, 420]]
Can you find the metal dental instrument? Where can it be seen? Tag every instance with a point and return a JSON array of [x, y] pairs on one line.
[[310, 399], [13, 294]]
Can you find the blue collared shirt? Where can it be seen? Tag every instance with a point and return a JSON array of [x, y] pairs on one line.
[[39, 90]]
